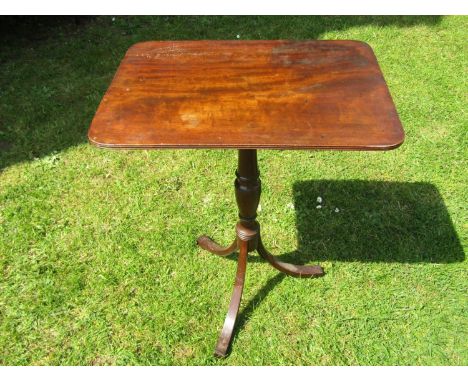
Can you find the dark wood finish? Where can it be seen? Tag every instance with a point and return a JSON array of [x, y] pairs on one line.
[[228, 327], [208, 244], [290, 269], [247, 189], [248, 94]]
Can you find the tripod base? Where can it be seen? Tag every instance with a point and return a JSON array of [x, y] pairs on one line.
[[248, 240]]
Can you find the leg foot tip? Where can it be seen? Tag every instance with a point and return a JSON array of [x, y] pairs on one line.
[[201, 239], [319, 272], [219, 354], [312, 271], [221, 349]]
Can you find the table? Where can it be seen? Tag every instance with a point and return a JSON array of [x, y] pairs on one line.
[[248, 95]]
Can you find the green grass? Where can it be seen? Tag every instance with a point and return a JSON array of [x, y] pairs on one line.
[[97, 247]]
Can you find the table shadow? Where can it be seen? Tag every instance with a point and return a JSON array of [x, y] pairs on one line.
[[375, 222], [372, 221]]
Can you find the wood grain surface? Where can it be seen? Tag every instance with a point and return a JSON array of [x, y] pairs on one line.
[[248, 94]]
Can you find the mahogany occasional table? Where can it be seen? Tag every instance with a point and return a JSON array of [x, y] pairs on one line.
[[248, 95]]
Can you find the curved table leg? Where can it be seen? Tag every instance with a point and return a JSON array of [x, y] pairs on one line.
[[208, 244], [289, 269], [226, 334]]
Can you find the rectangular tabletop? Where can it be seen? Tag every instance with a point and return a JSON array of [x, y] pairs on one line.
[[248, 94]]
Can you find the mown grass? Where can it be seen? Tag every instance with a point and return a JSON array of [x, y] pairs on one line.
[[97, 247]]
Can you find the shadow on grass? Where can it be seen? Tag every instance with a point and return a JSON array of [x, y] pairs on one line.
[[376, 222], [31, 29], [56, 69]]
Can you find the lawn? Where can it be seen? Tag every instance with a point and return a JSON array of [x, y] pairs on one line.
[[97, 247]]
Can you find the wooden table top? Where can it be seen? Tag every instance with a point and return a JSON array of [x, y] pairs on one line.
[[248, 94]]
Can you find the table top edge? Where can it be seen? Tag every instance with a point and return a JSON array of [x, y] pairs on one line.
[[370, 147]]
